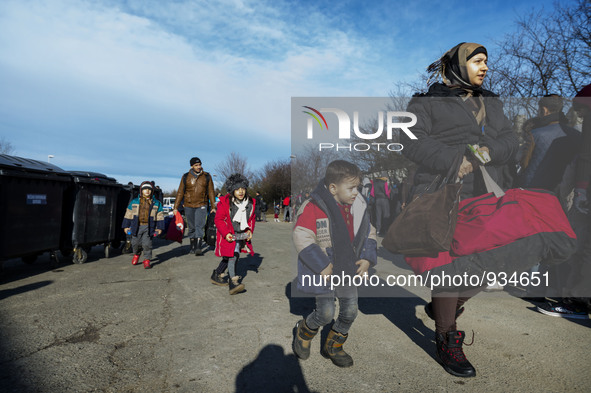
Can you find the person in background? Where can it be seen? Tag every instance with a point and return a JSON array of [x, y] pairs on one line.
[[287, 210], [380, 191], [552, 145], [144, 218], [575, 303], [195, 191]]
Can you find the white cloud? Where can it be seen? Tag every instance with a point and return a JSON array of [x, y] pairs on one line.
[[96, 82], [106, 49]]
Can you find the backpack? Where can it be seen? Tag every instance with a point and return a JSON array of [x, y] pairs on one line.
[[210, 230], [263, 206]]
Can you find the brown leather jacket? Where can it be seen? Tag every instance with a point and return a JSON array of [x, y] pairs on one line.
[[195, 191]]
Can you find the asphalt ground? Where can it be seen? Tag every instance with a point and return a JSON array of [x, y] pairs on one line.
[[108, 326]]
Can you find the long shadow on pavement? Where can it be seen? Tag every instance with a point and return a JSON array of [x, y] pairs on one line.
[[248, 263], [272, 371], [5, 293]]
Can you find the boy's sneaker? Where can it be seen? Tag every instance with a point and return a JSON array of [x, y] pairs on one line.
[[562, 310], [147, 264]]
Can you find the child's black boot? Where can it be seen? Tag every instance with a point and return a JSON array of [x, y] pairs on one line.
[[218, 279], [451, 355], [302, 338], [333, 349], [235, 286]]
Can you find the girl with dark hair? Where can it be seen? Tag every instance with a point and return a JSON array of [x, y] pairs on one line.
[[234, 220], [451, 116]]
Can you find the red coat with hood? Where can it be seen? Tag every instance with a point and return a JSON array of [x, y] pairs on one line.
[[223, 223]]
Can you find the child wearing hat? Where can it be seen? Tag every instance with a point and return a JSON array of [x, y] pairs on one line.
[[144, 218], [234, 221]]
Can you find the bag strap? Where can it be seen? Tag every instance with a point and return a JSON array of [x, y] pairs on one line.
[[452, 173], [491, 185]]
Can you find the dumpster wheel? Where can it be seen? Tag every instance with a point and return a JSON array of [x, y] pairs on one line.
[[107, 250], [80, 256], [54, 259]]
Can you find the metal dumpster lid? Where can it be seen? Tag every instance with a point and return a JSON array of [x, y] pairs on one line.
[[92, 176], [29, 165]]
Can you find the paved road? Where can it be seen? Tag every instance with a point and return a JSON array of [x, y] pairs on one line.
[[108, 326]]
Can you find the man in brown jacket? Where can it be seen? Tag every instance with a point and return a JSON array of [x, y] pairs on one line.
[[194, 191]]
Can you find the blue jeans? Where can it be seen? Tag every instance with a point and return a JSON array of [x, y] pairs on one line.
[[196, 217], [325, 310]]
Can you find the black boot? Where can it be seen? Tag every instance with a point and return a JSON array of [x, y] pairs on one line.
[[302, 338], [193, 245], [333, 349], [198, 247], [451, 356], [218, 279], [235, 286]]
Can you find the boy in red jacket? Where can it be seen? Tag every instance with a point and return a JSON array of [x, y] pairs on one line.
[[234, 221], [333, 235]]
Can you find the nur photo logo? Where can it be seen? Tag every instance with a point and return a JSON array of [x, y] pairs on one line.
[[386, 120]]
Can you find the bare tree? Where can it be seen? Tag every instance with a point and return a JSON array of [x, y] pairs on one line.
[[6, 147], [309, 166], [274, 180], [549, 54], [233, 163]]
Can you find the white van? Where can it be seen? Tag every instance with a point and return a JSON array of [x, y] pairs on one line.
[[168, 204]]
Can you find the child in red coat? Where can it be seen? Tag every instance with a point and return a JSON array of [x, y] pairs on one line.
[[234, 221]]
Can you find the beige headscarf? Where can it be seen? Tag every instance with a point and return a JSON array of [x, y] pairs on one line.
[[452, 66]]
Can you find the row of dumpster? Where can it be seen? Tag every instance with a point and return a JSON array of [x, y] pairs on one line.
[[44, 208]]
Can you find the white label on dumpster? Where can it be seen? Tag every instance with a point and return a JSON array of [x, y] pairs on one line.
[[36, 199], [99, 200]]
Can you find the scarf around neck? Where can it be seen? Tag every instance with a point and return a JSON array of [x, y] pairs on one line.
[[240, 215], [342, 247]]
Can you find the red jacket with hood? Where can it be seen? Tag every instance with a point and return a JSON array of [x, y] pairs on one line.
[[223, 223]]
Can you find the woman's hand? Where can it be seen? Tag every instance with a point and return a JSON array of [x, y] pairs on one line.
[[465, 168], [248, 235], [229, 238]]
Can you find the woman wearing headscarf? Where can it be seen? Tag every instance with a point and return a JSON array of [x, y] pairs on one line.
[[450, 116]]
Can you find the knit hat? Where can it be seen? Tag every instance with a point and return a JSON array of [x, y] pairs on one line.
[[146, 184], [195, 160], [236, 181]]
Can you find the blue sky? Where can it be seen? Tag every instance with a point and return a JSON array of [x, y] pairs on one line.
[[133, 89]]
